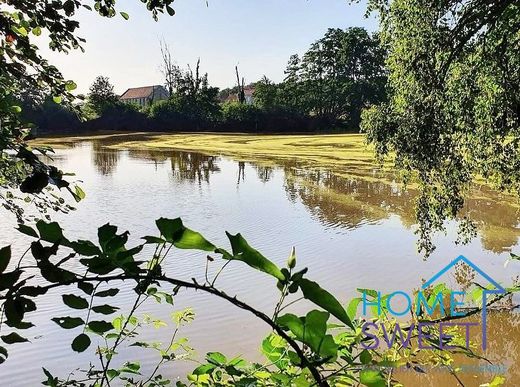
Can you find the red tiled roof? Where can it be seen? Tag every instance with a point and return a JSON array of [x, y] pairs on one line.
[[139, 92]]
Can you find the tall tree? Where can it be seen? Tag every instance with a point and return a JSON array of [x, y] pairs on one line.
[[101, 96], [192, 95], [169, 68], [266, 94], [241, 96], [338, 76], [290, 88], [454, 107]]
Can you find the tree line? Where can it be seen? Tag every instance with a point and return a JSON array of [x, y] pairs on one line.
[[326, 88]]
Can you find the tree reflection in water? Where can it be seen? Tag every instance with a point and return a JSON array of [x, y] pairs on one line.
[[345, 199], [104, 159], [193, 167]]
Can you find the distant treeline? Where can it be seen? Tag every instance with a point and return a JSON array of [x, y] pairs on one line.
[[325, 89]]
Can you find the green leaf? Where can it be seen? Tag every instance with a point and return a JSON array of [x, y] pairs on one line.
[[372, 378], [170, 10], [168, 298], [169, 228], [313, 292], [50, 232], [153, 240], [204, 369], [3, 354], [125, 15], [70, 86], [111, 373], [81, 343], [107, 293], [311, 330], [100, 327], [78, 194], [131, 367], [5, 258], [14, 310], [7, 280], [117, 323], [75, 302], [68, 322], [51, 380], [37, 31], [274, 349], [86, 287], [85, 248], [98, 265], [105, 234], [183, 238], [57, 99], [32, 291], [353, 307], [15, 109], [245, 253], [369, 292], [105, 309], [20, 325], [194, 241], [365, 357], [27, 230], [13, 338], [216, 358], [19, 30]]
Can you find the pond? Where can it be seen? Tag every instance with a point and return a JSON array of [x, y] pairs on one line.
[[349, 219]]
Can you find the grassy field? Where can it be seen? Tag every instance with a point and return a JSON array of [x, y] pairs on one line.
[[346, 154]]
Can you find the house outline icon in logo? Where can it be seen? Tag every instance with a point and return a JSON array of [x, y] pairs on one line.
[[499, 289]]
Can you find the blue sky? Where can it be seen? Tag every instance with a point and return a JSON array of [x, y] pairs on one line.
[[259, 35]]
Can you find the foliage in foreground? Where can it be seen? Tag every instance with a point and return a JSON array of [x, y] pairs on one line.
[[324, 347], [22, 67], [454, 109]]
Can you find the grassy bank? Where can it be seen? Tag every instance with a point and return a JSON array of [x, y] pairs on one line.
[[346, 154]]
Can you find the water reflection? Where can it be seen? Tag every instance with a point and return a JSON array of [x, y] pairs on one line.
[[193, 167], [264, 173], [497, 219], [502, 357], [346, 202], [322, 209], [104, 159]]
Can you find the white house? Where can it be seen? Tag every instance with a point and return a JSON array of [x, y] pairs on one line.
[[144, 96]]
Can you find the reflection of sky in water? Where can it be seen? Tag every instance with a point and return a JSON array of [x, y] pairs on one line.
[[350, 233]]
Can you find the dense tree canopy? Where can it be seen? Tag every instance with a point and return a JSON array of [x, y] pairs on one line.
[[339, 75], [101, 95], [22, 64], [191, 96], [454, 107]]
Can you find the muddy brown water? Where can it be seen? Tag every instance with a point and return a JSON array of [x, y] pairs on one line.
[[351, 233]]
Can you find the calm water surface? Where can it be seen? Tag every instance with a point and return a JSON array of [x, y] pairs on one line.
[[351, 233]]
